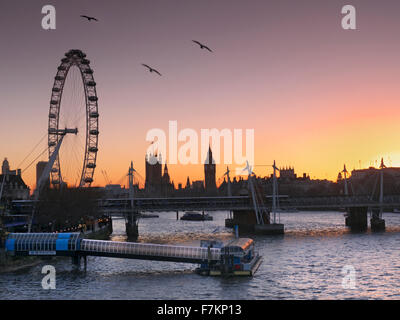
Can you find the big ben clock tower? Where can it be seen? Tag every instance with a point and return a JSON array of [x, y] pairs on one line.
[[209, 173]]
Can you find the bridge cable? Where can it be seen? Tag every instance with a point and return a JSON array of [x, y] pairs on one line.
[[374, 188], [34, 160], [34, 148]]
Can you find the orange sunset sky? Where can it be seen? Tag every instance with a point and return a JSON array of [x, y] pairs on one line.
[[317, 96]]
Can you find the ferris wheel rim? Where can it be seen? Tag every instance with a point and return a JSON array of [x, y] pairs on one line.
[[76, 58]]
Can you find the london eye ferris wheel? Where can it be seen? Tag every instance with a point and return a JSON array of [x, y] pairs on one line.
[[73, 109]]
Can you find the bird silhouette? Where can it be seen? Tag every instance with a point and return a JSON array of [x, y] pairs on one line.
[[151, 69], [248, 168], [202, 46], [89, 18]]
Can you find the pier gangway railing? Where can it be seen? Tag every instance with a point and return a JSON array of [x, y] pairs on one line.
[[71, 244], [149, 251]]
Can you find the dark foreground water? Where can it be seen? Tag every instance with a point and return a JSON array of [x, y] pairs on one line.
[[305, 263]]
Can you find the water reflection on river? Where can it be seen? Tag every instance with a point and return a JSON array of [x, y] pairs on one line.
[[305, 263]]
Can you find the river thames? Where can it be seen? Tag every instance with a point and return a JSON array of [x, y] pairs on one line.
[[305, 263]]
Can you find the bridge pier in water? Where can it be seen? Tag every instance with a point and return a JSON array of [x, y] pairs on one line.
[[76, 260], [131, 225], [247, 222], [377, 223], [357, 219]]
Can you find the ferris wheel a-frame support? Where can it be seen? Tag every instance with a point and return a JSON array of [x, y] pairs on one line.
[[46, 172]]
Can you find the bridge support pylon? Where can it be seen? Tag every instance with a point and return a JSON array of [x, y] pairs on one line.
[[131, 225], [76, 260], [247, 222], [110, 225], [357, 219], [377, 223]]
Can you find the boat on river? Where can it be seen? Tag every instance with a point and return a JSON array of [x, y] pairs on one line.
[[196, 216]]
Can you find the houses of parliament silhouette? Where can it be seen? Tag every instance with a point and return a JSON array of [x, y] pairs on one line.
[[158, 182]]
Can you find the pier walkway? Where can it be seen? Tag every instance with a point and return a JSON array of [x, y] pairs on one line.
[[71, 244]]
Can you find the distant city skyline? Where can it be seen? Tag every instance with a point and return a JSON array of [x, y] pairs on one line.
[[317, 96], [157, 179]]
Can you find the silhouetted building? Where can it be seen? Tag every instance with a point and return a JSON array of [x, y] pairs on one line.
[[116, 191], [153, 173], [371, 171], [14, 187], [366, 181], [40, 166], [5, 169], [287, 173], [187, 183], [166, 186], [165, 178], [198, 186], [209, 173]]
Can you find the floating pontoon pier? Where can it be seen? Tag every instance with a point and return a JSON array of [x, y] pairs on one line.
[[236, 258]]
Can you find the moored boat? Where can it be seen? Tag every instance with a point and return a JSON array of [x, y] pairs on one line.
[[238, 258], [149, 215], [196, 216]]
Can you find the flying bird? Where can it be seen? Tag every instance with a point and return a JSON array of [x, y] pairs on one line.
[[202, 46], [151, 69], [89, 18], [248, 168]]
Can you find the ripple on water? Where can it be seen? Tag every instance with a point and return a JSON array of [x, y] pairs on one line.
[[305, 263]]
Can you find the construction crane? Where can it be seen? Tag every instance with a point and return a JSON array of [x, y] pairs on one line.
[[105, 175]]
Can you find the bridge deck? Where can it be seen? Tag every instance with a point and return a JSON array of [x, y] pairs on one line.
[[224, 203], [242, 203]]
